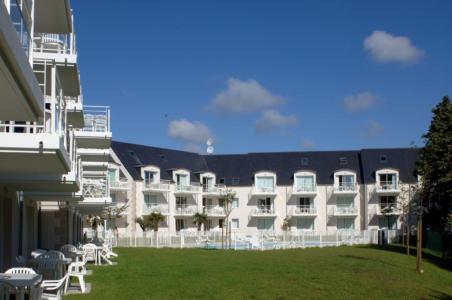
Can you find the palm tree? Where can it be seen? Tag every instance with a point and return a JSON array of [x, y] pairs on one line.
[[153, 220], [199, 219]]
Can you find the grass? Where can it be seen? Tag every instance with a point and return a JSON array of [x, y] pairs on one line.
[[327, 273]]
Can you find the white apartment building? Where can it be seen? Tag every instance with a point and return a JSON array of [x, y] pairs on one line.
[[316, 191], [53, 148]]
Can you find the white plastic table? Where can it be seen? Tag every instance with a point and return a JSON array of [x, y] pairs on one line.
[[22, 281]]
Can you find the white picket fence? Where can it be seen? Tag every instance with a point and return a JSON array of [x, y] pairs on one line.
[[256, 241]]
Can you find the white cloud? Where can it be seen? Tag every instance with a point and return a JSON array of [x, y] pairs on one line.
[[360, 101], [271, 120], [373, 129], [244, 97], [386, 47], [191, 132], [307, 144]]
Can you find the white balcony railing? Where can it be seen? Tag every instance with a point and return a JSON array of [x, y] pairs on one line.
[[346, 187], [262, 211], [305, 188], [95, 188], [55, 43], [387, 186], [388, 209], [213, 189], [344, 210], [158, 208], [185, 210], [119, 184], [301, 210], [192, 188], [97, 118], [263, 190], [163, 185], [214, 210]]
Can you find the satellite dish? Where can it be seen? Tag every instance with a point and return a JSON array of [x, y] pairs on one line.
[[210, 150], [209, 142]]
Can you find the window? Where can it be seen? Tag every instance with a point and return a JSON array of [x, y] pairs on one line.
[[235, 224], [304, 161], [304, 183], [265, 205], [383, 158], [181, 179], [180, 224], [149, 177], [235, 203], [207, 184], [388, 181], [265, 224], [113, 198], [112, 175], [388, 202], [208, 225], [220, 223], [345, 224], [345, 201], [305, 202], [305, 224], [235, 180], [181, 201], [346, 182], [222, 180], [387, 222], [150, 200], [265, 183], [343, 161]]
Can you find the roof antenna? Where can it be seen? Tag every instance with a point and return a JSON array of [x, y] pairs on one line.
[[210, 148]]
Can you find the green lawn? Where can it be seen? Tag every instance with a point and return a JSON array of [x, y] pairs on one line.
[[342, 272]]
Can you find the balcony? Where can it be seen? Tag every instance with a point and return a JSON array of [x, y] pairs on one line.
[[162, 186], [343, 210], [263, 212], [119, 185], [26, 148], [304, 211], [193, 188], [53, 16], [304, 190], [158, 208], [213, 190], [387, 188], [349, 188], [96, 133], [263, 191], [214, 211], [60, 49], [96, 191], [74, 109], [20, 95], [185, 210]]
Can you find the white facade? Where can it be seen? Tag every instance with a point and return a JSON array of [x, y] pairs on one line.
[[345, 204]]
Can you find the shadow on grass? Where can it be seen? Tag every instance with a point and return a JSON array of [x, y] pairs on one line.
[[440, 295], [436, 260], [366, 258]]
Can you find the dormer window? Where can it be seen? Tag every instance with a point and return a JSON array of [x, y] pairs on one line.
[[383, 158], [149, 177], [112, 175], [181, 180], [388, 181], [304, 161], [265, 183], [305, 183]]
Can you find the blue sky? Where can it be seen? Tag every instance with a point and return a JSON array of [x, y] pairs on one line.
[[266, 75]]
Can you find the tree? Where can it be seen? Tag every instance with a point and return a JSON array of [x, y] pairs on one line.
[[404, 204], [199, 219], [112, 213], [152, 220], [226, 198], [435, 167]]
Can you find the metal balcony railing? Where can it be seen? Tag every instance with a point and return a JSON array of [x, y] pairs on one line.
[[262, 211], [20, 13], [304, 210], [387, 186], [346, 187], [55, 43], [263, 190], [184, 209], [119, 184], [97, 118], [158, 208], [213, 189], [305, 188], [163, 185], [215, 210], [345, 209], [192, 188]]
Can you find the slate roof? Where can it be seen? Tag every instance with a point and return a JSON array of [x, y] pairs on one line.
[[243, 166]]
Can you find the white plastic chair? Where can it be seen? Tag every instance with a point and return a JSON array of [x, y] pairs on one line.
[[90, 252], [20, 271], [53, 289], [78, 270]]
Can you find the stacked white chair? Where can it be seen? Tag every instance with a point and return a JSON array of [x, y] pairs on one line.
[[53, 289], [77, 270], [90, 252]]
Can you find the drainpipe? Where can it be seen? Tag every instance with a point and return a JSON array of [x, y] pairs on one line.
[[20, 197]]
